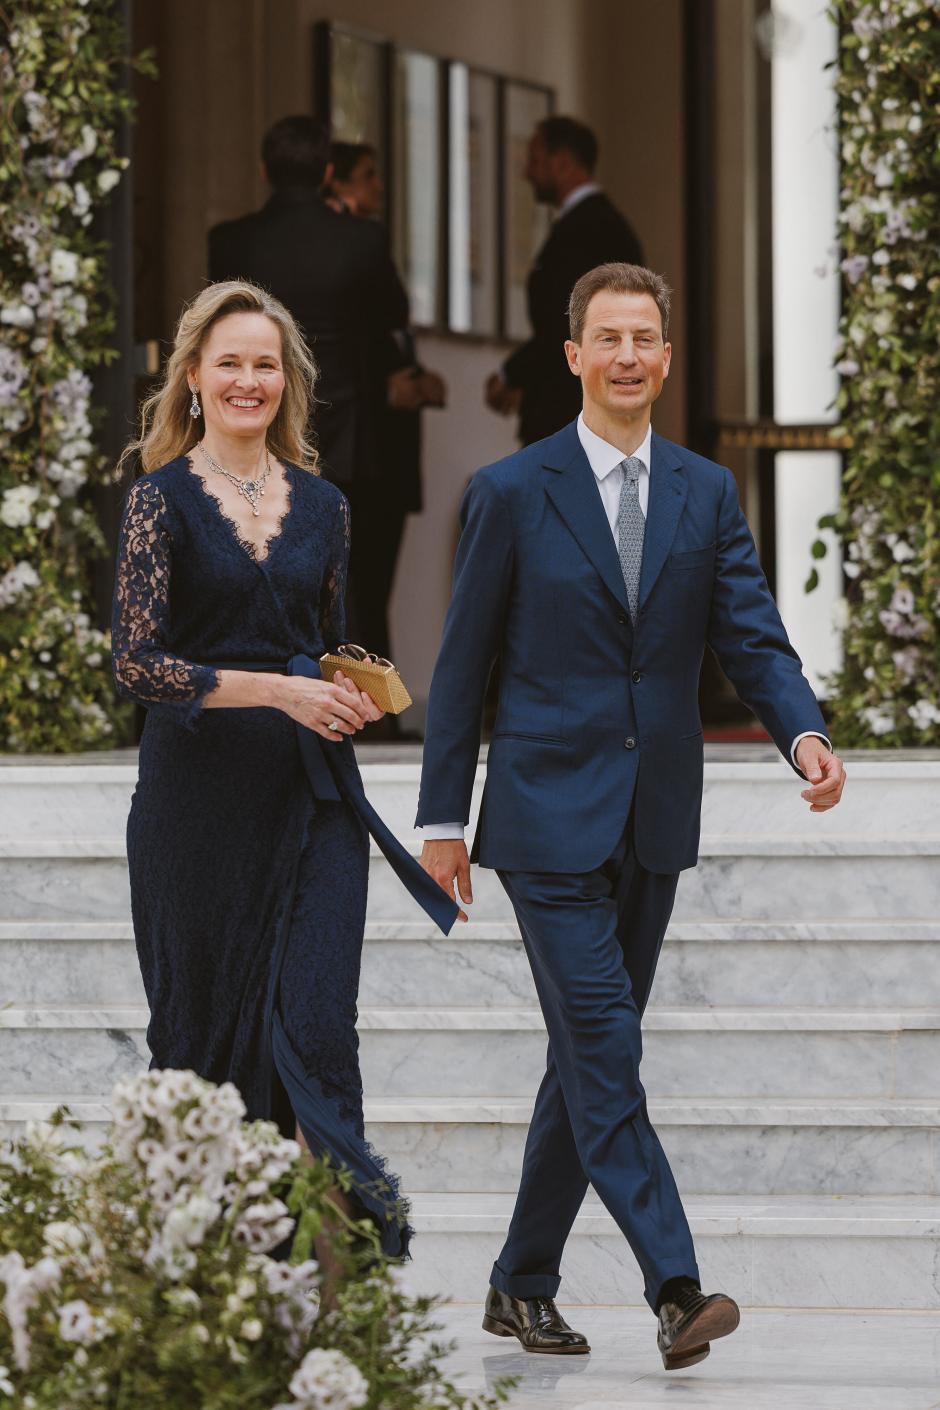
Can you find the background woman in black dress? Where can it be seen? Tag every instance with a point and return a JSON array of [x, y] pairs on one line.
[[248, 892]]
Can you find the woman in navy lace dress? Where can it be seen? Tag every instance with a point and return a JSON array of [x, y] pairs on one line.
[[247, 840]]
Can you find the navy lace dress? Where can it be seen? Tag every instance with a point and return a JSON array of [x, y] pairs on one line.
[[248, 893]]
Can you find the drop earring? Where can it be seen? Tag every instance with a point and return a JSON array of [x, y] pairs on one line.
[[195, 410]]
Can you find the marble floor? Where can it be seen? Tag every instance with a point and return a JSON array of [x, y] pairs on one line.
[[777, 1360]]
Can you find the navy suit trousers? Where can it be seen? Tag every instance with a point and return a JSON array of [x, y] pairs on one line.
[[593, 940]]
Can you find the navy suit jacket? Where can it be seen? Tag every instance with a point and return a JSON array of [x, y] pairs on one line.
[[595, 711]]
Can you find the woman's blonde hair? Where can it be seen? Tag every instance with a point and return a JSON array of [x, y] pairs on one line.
[[167, 430]]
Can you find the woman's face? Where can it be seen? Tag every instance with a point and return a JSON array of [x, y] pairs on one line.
[[240, 375]]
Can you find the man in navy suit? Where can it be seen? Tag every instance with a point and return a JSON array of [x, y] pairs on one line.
[[597, 565]]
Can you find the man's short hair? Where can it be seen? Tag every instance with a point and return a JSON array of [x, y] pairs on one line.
[[296, 151], [617, 279], [568, 134]]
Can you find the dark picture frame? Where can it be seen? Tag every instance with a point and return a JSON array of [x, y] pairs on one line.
[[474, 263], [417, 180], [451, 141], [524, 223], [351, 85]]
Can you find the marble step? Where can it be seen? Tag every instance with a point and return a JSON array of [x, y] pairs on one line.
[[751, 1147], [725, 963], [88, 796], [814, 878], [823, 1252], [770, 1052]]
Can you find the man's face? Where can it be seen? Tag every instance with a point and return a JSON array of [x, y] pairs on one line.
[[621, 359], [540, 171]]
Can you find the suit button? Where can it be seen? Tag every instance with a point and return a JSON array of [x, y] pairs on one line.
[[622, 620], [637, 677], [629, 742]]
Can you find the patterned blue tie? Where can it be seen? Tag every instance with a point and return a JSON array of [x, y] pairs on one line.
[[631, 526]]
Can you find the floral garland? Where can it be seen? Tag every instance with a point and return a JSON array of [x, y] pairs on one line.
[[888, 83], [60, 62]]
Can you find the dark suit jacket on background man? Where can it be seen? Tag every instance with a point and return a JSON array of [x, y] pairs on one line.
[[591, 232], [335, 275]]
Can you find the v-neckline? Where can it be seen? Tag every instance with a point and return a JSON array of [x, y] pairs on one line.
[[250, 548]]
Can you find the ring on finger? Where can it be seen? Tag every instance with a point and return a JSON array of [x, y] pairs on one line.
[[333, 725]]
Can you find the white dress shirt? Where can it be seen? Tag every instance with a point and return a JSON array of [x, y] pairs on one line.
[[606, 461], [575, 197]]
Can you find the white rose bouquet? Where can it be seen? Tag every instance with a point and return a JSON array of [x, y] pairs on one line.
[[172, 1267]]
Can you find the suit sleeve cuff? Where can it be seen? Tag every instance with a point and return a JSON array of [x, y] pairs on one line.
[[442, 832], [807, 734]]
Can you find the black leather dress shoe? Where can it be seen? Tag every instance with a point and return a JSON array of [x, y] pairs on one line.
[[536, 1322], [690, 1322]]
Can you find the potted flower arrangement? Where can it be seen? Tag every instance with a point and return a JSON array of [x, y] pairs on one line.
[[144, 1274]]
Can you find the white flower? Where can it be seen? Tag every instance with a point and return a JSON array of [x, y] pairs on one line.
[[848, 367], [16, 505], [902, 601], [924, 714], [78, 1323], [6, 1385], [107, 180], [879, 719], [906, 663], [64, 1237], [915, 124], [16, 581], [18, 315], [902, 552], [328, 1380], [907, 281], [63, 266], [882, 322], [201, 1333], [252, 1329], [24, 1287], [840, 614], [854, 266]]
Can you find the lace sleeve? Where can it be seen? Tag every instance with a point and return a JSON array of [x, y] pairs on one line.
[[333, 593], [144, 669]]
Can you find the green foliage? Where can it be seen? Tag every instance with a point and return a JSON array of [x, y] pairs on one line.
[[62, 65], [888, 83]]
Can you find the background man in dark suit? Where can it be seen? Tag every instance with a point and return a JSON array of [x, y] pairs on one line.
[[356, 187], [598, 564], [336, 276], [588, 230]]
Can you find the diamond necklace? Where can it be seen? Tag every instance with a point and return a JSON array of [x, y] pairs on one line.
[[252, 489]]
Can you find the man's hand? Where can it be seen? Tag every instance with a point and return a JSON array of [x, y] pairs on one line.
[[448, 861], [500, 397], [825, 772], [404, 390]]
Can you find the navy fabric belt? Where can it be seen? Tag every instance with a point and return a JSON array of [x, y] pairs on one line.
[[333, 774]]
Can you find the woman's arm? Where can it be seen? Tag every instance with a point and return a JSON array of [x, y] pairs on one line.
[[148, 672]]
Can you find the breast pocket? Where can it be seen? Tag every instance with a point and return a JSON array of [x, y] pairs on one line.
[[695, 558]]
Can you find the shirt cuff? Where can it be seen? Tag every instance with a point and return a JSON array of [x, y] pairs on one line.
[[442, 832], [807, 734]]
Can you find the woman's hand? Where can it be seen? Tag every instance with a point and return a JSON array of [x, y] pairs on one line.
[[317, 704], [365, 701]]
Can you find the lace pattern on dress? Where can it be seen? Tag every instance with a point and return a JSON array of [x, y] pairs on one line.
[[145, 671], [259, 554], [333, 592]]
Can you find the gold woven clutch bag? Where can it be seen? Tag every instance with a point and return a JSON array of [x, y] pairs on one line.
[[373, 674]]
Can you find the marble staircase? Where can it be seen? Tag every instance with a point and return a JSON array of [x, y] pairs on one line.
[[792, 1045]]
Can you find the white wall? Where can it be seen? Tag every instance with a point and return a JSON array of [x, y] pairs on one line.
[[806, 312]]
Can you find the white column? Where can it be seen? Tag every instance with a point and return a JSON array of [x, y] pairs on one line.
[[806, 312]]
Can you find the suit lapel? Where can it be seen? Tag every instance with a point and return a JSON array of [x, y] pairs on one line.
[[668, 490], [572, 488]]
